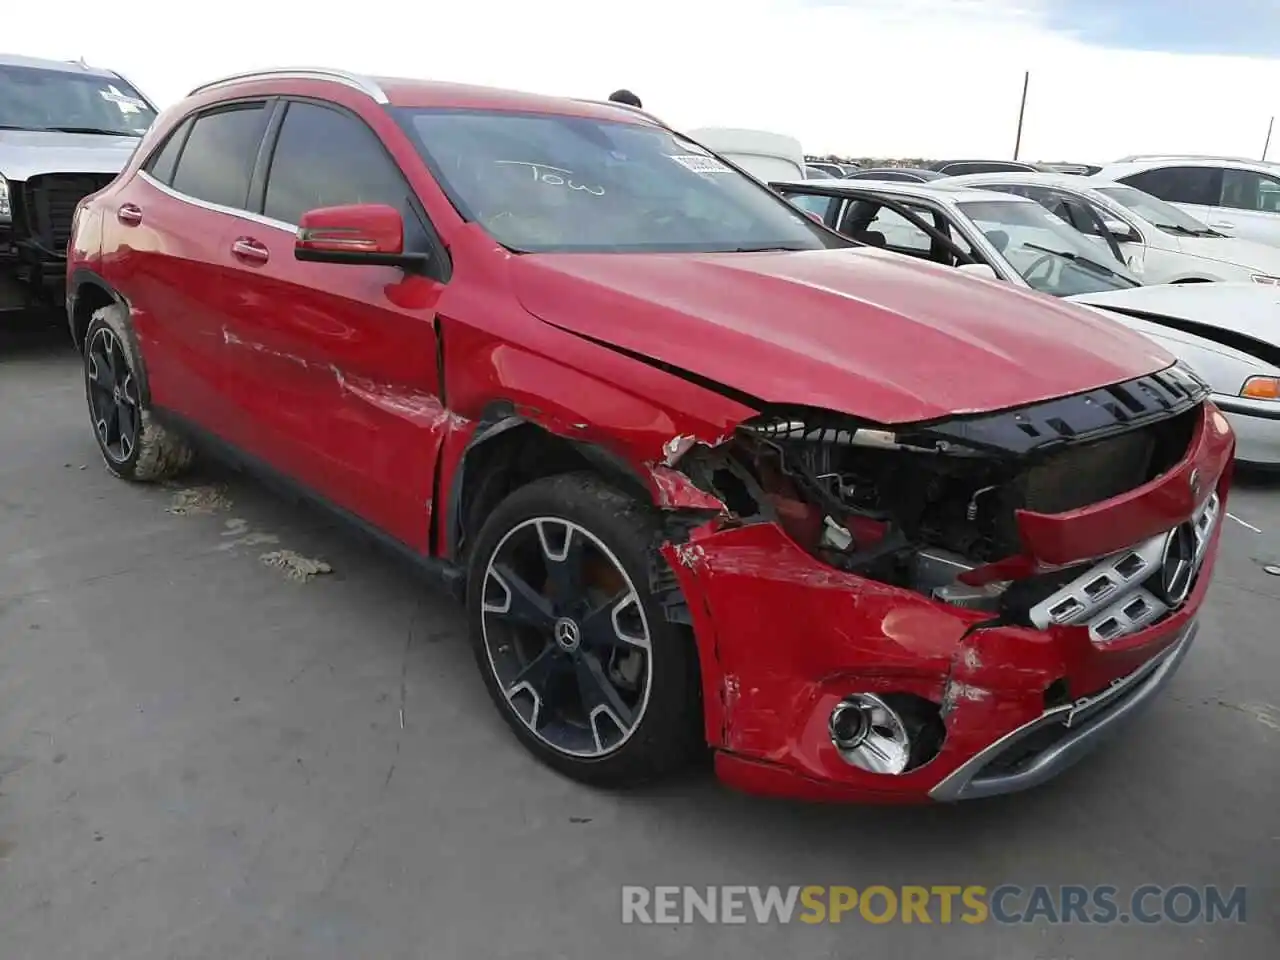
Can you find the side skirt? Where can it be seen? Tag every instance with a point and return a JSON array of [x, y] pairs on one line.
[[441, 572]]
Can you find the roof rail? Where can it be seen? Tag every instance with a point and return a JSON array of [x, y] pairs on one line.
[[1185, 156], [355, 81]]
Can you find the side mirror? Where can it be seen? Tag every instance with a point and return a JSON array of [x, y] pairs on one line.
[[1120, 230], [370, 233], [979, 270]]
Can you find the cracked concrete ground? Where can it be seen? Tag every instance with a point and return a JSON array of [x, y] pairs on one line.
[[202, 758]]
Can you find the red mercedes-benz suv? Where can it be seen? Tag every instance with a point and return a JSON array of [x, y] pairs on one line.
[[704, 472]]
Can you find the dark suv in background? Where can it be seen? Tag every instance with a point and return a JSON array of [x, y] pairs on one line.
[[66, 130]]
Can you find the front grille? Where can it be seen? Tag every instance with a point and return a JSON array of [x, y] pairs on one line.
[[1092, 472], [1126, 592], [49, 203]]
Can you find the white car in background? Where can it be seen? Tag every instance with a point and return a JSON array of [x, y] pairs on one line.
[[764, 155], [1234, 196], [1155, 240], [1228, 333]]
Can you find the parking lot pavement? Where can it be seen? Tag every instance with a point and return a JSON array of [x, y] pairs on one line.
[[200, 757]]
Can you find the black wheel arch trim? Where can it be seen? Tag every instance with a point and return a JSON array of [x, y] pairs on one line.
[[83, 277], [500, 418]]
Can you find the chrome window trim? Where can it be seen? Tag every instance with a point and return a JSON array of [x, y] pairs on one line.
[[290, 228]]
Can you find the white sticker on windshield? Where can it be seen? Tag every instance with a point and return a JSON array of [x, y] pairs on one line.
[[700, 164], [126, 103]]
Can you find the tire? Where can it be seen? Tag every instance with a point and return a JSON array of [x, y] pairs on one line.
[[134, 446], [654, 731]]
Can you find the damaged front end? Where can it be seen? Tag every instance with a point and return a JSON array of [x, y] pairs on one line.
[[876, 607]]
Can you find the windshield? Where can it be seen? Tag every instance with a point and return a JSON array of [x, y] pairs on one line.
[[33, 98], [1155, 211], [544, 182], [1049, 255]]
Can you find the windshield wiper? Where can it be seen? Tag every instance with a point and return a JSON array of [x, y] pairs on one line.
[[1085, 262], [100, 130], [769, 248], [1187, 231]]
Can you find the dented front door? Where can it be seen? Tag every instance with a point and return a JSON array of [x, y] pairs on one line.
[[336, 364]]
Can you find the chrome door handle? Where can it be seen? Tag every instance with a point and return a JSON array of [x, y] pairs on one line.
[[246, 248], [129, 214]]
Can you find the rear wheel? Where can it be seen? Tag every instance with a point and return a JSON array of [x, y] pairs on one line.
[[133, 445], [574, 650]]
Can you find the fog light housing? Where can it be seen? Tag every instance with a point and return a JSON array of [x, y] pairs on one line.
[[870, 734]]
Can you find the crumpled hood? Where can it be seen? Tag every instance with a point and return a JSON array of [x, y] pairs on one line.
[[864, 332], [29, 153]]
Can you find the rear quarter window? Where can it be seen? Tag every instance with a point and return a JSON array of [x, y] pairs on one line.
[[217, 161], [164, 161]]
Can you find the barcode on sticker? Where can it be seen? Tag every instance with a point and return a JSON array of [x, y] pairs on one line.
[[700, 164]]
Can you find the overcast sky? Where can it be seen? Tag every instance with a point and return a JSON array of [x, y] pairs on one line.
[[938, 78]]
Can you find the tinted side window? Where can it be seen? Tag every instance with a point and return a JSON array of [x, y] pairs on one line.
[[1202, 185], [164, 160], [1246, 190], [217, 162], [326, 158]]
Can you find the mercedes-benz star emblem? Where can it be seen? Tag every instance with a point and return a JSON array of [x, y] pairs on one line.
[[566, 633], [1176, 571]]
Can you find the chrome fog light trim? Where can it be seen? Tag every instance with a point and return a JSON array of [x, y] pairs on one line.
[[870, 735]]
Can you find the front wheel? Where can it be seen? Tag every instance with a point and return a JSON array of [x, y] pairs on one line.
[[574, 650]]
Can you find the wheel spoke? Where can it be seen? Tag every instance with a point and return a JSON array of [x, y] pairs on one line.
[[603, 626], [128, 389], [562, 551], [535, 712], [598, 694], [100, 372], [111, 421], [538, 672], [520, 603], [109, 354], [127, 417]]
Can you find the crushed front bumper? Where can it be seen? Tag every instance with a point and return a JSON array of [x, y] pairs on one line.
[[1042, 748], [784, 638]]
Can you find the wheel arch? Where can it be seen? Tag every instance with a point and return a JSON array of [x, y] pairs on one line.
[[87, 293], [508, 451]]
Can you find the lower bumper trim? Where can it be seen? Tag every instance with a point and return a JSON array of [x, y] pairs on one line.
[[1085, 722]]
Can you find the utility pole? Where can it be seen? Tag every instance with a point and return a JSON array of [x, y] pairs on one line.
[[1267, 144], [1022, 111]]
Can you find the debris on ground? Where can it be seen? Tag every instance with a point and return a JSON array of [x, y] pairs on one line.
[[1273, 569], [200, 500], [296, 567], [239, 534]]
